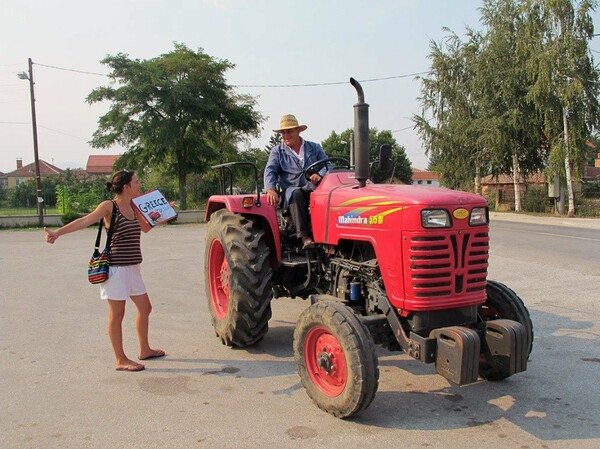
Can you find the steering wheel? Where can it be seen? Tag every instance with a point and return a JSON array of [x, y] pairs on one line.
[[310, 170]]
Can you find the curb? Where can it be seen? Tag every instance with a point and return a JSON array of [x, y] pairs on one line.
[[587, 223]]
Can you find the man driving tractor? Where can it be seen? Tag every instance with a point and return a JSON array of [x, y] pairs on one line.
[[286, 165]]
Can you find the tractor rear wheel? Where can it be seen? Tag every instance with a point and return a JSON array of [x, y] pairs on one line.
[[336, 359], [237, 278], [503, 303]]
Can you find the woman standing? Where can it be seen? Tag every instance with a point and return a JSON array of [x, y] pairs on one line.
[[125, 279]]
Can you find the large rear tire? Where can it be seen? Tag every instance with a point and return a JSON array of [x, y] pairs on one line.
[[336, 359], [503, 303], [237, 278]]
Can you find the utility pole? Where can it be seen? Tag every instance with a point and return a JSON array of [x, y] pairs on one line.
[[38, 179], [352, 149]]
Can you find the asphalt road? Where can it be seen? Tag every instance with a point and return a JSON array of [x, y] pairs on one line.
[[568, 244], [58, 388]]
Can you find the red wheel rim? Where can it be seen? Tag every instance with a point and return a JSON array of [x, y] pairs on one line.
[[218, 276], [325, 361]]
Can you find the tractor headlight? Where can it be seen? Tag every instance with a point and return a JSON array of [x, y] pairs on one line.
[[479, 216], [435, 218]]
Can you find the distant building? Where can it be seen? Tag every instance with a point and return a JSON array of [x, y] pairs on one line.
[[25, 172], [503, 187], [101, 164], [425, 178], [591, 174]]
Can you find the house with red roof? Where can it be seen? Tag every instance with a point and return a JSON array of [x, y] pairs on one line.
[[24, 172], [504, 188], [97, 165], [101, 164], [425, 178]]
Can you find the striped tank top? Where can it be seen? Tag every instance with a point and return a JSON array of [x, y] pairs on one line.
[[125, 246]]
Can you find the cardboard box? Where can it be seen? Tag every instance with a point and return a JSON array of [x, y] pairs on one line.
[[153, 209]]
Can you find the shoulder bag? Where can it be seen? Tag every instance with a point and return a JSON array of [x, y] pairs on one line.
[[98, 266]]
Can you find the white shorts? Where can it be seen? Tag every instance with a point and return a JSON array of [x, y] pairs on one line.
[[123, 282]]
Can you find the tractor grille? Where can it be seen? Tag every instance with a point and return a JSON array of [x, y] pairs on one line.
[[446, 265]]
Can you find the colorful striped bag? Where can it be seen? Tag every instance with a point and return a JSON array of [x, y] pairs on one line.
[[98, 265]]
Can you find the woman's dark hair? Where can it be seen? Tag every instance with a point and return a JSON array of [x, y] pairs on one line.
[[119, 180]]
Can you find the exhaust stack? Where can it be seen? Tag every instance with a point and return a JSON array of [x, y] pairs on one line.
[[361, 135]]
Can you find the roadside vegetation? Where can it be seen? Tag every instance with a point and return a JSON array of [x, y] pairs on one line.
[[518, 97]]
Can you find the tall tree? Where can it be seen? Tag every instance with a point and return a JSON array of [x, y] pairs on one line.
[[449, 97], [565, 82], [476, 95], [175, 110], [513, 127]]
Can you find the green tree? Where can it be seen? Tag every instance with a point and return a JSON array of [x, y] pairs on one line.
[[450, 97], [175, 110], [274, 140], [565, 82], [481, 121], [510, 118], [338, 145], [77, 193]]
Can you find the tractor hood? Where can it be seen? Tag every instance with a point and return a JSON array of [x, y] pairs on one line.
[[417, 195], [340, 206], [342, 188]]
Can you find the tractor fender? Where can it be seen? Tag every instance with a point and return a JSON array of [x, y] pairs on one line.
[[265, 212]]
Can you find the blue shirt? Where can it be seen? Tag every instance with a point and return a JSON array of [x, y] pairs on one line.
[[284, 167]]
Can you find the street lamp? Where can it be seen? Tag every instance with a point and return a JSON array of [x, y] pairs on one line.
[[351, 142], [38, 179]]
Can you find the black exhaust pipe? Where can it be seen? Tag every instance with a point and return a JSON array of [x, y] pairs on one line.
[[361, 136]]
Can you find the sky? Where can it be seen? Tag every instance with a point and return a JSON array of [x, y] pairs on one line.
[[272, 43]]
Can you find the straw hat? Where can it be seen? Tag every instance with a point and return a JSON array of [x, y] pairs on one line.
[[289, 121]]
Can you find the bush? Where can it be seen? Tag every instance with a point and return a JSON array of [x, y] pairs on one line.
[[587, 207], [536, 200], [68, 217], [490, 197]]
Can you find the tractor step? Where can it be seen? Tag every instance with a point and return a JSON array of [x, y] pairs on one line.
[[505, 346], [457, 355]]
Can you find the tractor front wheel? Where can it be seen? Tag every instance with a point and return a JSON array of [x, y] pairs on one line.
[[336, 359], [237, 278], [503, 303]]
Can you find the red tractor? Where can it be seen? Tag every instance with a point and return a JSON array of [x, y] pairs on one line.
[[400, 266]]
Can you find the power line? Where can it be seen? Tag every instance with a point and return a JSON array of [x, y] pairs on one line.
[[329, 84], [265, 85], [45, 127], [63, 133], [70, 70], [403, 129], [258, 85]]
